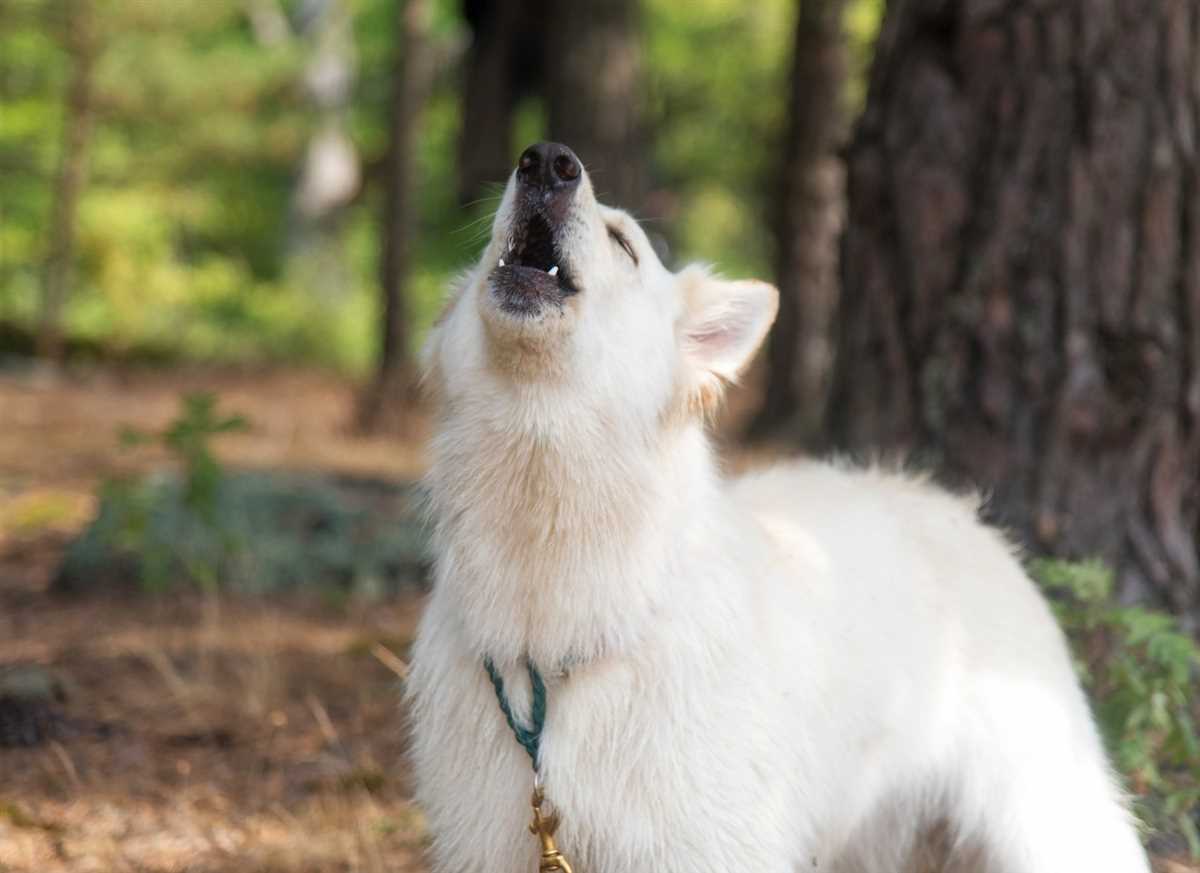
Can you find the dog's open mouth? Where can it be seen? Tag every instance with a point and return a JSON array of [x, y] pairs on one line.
[[531, 272]]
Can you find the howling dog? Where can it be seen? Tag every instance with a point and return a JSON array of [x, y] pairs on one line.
[[811, 668]]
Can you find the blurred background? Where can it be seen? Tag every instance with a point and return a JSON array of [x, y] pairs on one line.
[[225, 227]]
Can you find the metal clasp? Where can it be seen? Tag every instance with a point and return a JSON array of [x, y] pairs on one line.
[[543, 827]]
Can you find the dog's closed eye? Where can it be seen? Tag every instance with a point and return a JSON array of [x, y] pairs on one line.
[[620, 239]]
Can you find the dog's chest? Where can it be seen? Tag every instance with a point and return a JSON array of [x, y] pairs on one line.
[[650, 760], [642, 772]]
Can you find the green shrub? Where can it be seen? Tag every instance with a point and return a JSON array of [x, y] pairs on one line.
[[1141, 671], [253, 532], [132, 509]]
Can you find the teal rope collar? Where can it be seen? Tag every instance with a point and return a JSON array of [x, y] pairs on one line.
[[530, 737]]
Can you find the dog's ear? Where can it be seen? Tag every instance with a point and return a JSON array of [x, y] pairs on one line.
[[723, 325]]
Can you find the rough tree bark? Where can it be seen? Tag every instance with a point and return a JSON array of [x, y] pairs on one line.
[[808, 212], [385, 403], [78, 118], [1021, 271], [593, 64]]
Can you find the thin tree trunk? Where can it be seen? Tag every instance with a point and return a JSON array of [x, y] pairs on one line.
[[593, 68], [1021, 272], [385, 402], [78, 119], [497, 73], [331, 174], [808, 220]]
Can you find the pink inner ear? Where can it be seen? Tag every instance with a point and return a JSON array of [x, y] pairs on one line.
[[720, 334], [728, 320], [711, 334]]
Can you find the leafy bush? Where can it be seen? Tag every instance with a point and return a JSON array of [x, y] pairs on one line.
[[188, 438], [251, 532], [1141, 670]]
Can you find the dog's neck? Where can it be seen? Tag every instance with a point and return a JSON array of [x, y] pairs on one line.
[[566, 544]]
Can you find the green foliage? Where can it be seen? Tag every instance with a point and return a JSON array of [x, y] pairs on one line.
[[1143, 674], [863, 18], [717, 84], [187, 236], [184, 237], [250, 532], [188, 438], [135, 506]]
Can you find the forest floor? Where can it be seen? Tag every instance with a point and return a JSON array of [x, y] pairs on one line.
[[207, 735], [201, 734]]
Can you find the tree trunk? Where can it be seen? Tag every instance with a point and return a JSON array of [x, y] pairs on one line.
[[503, 63], [72, 173], [593, 63], [385, 402], [331, 174], [1021, 272], [808, 219]]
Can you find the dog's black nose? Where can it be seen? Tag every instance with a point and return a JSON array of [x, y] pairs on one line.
[[549, 166]]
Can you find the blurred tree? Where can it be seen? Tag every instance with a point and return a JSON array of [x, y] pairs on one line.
[[77, 20], [503, 63], [389, 394], [808, 211], [593, 60], [189, 238], [709, 68], [585, 58], [330, 175], [488, 95], [201, 125], [1021, 272]]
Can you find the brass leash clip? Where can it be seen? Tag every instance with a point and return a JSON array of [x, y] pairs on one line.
[[543, 827]]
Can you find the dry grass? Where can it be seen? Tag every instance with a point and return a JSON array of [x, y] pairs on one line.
[[210, 735], [60, 430]]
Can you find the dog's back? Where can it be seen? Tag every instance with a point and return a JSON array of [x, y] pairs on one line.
[[992, 740]]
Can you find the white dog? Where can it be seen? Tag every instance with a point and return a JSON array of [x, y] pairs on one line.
[[809, 669]]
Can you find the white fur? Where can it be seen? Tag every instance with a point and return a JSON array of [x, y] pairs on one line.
[[806, 669]]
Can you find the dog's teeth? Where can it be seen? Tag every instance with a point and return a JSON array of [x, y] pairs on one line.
[[502, 262], [553, 271]]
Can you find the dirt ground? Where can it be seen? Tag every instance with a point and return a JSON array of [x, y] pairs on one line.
[[211, 736], [199, 734]]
